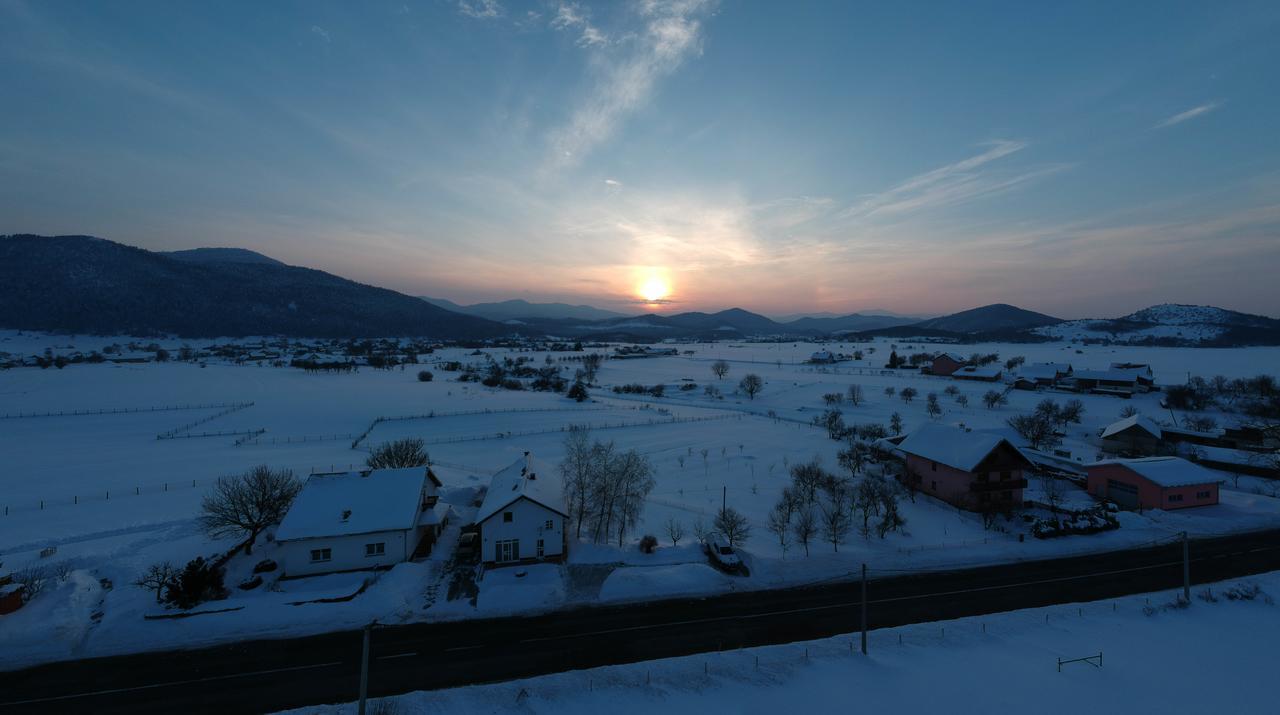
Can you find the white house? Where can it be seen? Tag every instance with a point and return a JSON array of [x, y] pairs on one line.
[[358, 520], [523, 515]]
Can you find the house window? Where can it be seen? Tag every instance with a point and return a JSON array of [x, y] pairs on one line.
[[507, 517], [1006, 496], [506, 550], [933, 486], [377, 549], [1175, 497], [933, 466], [549, 525], [1202, 495], [540, 548], [321, 555], [1004, 476]]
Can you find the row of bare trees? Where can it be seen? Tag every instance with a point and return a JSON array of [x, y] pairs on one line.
[[605, 487], [822, 504]]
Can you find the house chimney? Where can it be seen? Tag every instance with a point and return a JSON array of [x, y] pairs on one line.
[[528, 466]]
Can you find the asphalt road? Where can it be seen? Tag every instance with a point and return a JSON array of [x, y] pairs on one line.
[[268, 675]]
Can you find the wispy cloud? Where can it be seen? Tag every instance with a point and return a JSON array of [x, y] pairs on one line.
[[671, 34], [571, 16], [612, 182], [954, 183], [320, 32], [1189, 114], [480, 9]]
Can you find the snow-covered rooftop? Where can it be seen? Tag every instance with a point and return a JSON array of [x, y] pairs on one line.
[[526, 477], [1112, 375], [975, 371], [1167, 471], [952, 446], [1043, 370], [1138, 420], [355, 503]]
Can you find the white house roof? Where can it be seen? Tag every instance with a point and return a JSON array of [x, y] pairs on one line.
[[1167, 471], [952, 446], [1141, 421], [957, 358], [355, 503], [1043, 370], [985, 371], [528, 478]]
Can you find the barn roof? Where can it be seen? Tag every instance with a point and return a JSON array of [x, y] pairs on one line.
[[1166, 471], [524, 478], [355, 503]]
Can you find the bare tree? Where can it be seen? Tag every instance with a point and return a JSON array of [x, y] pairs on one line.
[[575, 469], [720, 368], [675, 530], [157, 578], [804, 526], [1036, 428], [994, 398], [733, 525], [835, 512], [932, 406], [1053, 490], [752, 384], [700, 530], [780, 519], [855, 395], [249, 503], [33, 579], [895, 423], [907, 394], [407, 452]]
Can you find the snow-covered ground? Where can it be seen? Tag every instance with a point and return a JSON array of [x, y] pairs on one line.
[[1215, 656], [113, 499]]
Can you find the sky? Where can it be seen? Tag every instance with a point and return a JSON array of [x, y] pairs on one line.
[[1079, 159]]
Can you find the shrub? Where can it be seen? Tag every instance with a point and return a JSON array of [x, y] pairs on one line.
[[425, 376], [648, 543], [198, 582], [578, 392]]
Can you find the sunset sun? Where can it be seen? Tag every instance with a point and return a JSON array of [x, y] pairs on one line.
[[654, 288]]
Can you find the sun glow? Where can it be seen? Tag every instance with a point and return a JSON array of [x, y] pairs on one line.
[[654, 287]]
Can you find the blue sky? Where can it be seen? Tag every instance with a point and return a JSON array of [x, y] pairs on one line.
[[1078, 159]]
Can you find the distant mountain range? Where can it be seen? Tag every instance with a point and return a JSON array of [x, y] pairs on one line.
[[521, 310], [82, 284]]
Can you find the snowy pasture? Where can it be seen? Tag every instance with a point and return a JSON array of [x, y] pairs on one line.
[[112, 497]]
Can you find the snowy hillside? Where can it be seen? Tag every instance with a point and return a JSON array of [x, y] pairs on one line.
[[1171, 323]]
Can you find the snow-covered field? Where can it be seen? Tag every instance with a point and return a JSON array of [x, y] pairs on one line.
[[1213, 657], [112, 498]]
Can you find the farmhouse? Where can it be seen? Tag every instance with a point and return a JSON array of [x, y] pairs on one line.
[[989, 373], [359, 520], [945, 364], [1153, 483], [1121, 381], [972, 470], [523, 515], [822, 356], [1045, 373]]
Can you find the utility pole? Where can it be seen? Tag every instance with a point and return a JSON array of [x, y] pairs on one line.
[[724, 497], [864, 609], [364, 668], [1186, 568]]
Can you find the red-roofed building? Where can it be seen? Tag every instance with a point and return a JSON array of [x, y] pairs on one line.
[[1153, 483], [978, 471]]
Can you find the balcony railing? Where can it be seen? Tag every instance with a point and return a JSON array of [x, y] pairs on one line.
[[997, 485]]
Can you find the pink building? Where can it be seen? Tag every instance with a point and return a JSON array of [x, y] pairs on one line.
[[978, 471], [1153, 483], [946, 363]]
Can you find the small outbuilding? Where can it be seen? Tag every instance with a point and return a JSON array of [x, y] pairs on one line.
[[523, 516], [945, 364], [1133, 435], [1153, 483]]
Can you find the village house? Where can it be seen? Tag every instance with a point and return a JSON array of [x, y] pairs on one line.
[[945, 364], [349, 521], [522, 518], [1122, 383], [1153, 483], [977, 471], [1136, 435], [1045, 373], [986, 373]]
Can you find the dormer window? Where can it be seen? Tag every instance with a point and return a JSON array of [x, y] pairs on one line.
[[507, 517], [346, 514]]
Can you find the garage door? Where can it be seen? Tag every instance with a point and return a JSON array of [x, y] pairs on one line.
[[1125, 495]]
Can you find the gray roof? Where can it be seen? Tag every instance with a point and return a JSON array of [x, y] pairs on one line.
[[1138, 420]]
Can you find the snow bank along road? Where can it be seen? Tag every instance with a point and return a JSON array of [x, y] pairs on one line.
[[270, 675]]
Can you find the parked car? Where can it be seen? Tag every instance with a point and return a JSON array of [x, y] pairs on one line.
[[722, 553]]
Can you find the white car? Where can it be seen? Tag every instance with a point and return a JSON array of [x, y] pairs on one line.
[[723, 553]]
